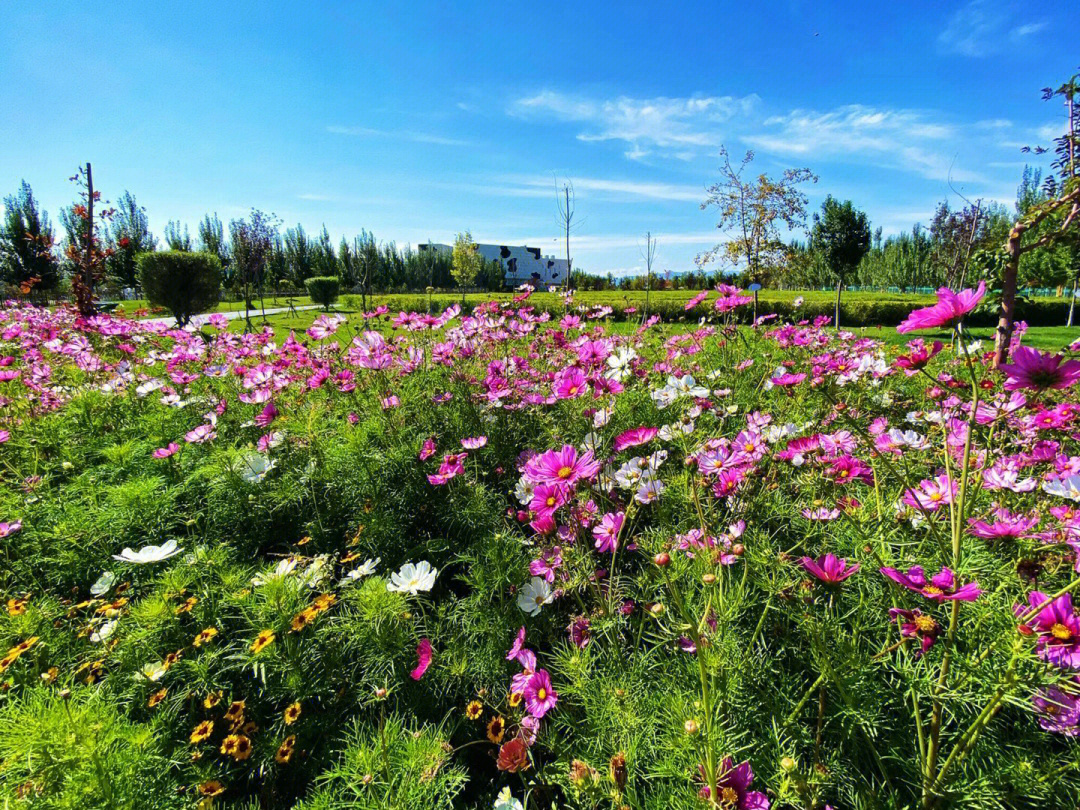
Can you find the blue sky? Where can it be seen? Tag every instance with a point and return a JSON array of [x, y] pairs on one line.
[[416, 120]]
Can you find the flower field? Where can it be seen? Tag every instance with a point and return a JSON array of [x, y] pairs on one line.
[[517, 559]]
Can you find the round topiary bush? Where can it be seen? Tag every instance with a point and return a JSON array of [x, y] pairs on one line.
[[181, 282], [323, 289]]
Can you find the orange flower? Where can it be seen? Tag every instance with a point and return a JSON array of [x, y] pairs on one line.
[[515, 699], [324, 601], [235, 712], [157, 697], [171, 658], [303, 541], [187, 605], [17, 606], [236, 746], [202, 731], [50, 675], [265, 639], [292, 714], [304, 618]]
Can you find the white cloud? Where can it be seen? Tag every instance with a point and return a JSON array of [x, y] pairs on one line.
[[666, 126], [890, 138], [584, 187], [415, 137], [983, 27]]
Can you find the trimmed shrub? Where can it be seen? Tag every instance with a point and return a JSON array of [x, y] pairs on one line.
[[323, 290], [183, 283]]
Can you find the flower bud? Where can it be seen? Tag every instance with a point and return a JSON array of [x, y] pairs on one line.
[[662, 559], [738, 549], [787, 764], [656, 609], [691, 726], [709, 579], [1024, 629]]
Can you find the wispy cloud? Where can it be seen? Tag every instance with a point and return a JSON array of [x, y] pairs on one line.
[[405, 135], [984, 27], [907, 140], [666, 126], [611, 190]]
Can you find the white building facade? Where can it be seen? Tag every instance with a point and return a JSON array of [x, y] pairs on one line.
[[520, 264]]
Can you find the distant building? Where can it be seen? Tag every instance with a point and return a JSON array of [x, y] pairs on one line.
[[520, 264]]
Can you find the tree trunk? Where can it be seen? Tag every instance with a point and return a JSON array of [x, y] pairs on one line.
[[836, 315], [1008, 299], [1072, 298]]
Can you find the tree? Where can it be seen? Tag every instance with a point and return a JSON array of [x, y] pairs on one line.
[[252, 243], [181, 282], [299, 255], [174, 239], [648, 254], [212, 240], [84, 251], [1048, 223], [755, 209], [566, 205], [26, 243], [841, 235], [129, 235], [466, 262]]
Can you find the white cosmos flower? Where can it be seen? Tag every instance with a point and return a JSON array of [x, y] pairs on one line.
[[1065, 488], [281, 570], [504, 801], [524, 491], [253, 466], [317, 570], [413, 578], [103, 584], [103, 632], [619, 364], [534, 596], [149, 554], [154, 671], [365, 569]]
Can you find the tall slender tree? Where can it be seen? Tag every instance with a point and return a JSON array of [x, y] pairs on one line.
[[841, 236], [26, 243], [129, 235]]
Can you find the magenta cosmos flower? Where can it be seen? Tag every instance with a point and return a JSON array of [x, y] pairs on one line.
[[1037, 371], [916, 624], [164, 452], [829, 568], [1058, 627], [1059, 712], [634, 437], [515, 648], [423, 659], [540, 698], [733, 788], [570, 383], [948, 311], [562, 466], [547, 498], [940, 588]]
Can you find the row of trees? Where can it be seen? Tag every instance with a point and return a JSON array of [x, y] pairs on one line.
[[253, 252]]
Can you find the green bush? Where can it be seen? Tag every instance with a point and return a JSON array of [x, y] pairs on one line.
[[183, 283], [323, 289]]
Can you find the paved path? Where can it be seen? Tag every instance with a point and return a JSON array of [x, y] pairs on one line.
[[230, 316]]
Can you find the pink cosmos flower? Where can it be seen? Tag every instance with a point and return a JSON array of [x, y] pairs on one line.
[[1037, 371], [474, 442], [931, 494], [527, 659], [570, 383], [634, 437], [423, 659], [427, 450], [562, 466], [544, 566], [948, 311], [4, 436], [733, 785], [268, 414], [578, 630], [164, 452], [697, 299], [515, 648], [919, 355], [389, 402], [547, 498], [941, 587], [7, 529], [200, 435], [540, 698], [607, 532], [829, 569], [916, 624]]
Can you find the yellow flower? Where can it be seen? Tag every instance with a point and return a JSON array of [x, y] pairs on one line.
[[515, 699], [236, 746], [157, 697], [17, 607], [250, 727], [204, 636], [212, 700], [304, 618], [202, 731], [235, 712], [285, 750], [474, 710], [292, 713], [211, 787], [187, 605], [496, 728], [50, 674], [265, 639]]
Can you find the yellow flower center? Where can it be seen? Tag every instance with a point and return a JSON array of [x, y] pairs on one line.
[[932, 590], [573, 390], [564, 472], [925, 624], [551, 500], [541, 693], [1060, 631], [729, 796], [935, 496], [748, 447]]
